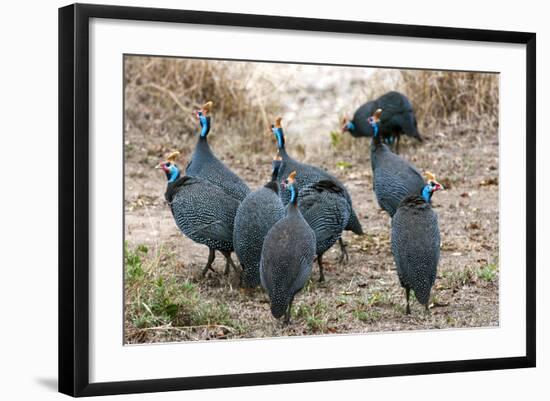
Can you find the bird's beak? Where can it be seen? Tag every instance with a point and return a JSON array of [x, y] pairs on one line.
[[344, 124], [158, 166], [439, 187]]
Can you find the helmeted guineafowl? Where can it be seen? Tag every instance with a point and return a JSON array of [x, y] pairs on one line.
[[258, 212], [287, 256], [393, 177], [201, 210], [324, 206], [415, 243], [206, 165], [399, 118], [307, 174]]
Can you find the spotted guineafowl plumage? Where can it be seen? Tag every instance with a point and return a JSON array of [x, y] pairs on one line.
[[399, 119], [287, 256], [206, 165], [258, 212], [415, 242], [394, 178], [325, 208], [307, 174], [202, 211]]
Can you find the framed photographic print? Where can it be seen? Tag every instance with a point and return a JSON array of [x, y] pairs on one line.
[[250, 199]]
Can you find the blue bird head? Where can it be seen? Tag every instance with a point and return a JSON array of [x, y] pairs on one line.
[[290, 184], [170, 168], [348, 125], [374, 122], [277, 130], [431, 186], [204, 118]]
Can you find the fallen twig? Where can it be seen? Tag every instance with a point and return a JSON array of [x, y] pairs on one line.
[[183, 328]]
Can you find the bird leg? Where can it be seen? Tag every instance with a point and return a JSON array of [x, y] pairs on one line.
[[398, 136], [228, 262], [226, 270], [344, 252], [407, 293], [211, 257], [320, 263], [287, 313]]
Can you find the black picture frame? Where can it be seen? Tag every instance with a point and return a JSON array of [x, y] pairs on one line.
[[74, 198]]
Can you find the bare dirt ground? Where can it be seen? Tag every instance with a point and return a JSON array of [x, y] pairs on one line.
[[363, 295]]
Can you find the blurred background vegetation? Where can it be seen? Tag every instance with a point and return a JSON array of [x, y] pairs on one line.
[[161, 94]]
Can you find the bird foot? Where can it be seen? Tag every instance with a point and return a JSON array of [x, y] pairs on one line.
[[229, 263], [344, 256], [205, 270]]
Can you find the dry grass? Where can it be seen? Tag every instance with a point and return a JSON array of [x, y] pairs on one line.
[[161, 95], [442, 99]]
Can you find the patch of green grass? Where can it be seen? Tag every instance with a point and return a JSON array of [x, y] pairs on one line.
[[309, 286], [378, 298], [133, 262], [488, 273], [367, 315], [188, 286], [365, 310], [343, 144], [157, 299], [400, 309], [315, 316], [451, 321], [469, 275], [315, 324], [343, 165], [142, 321], [165, 301], [459, 278], [162, 304], [335, 138], [342, 300]]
